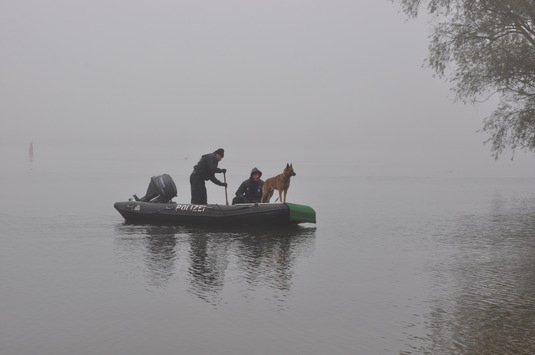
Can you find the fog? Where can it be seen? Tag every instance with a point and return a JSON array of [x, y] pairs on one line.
[[335, 87]]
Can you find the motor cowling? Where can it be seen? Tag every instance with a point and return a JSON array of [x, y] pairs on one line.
[[161, 189]]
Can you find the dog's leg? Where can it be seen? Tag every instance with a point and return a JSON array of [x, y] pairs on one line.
[[265, 191], [266, 195], [284, 194]]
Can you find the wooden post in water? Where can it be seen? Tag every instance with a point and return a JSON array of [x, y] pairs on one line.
[[31, 151]]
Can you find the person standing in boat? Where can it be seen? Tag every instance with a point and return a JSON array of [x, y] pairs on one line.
[[250, 190], [205, 170]]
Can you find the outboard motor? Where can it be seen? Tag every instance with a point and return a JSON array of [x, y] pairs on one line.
[[161, 189]]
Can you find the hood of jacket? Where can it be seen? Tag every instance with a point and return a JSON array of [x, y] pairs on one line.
[[255, 171]]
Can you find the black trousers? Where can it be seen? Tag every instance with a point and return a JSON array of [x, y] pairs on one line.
[[198, 190], [237, 199]]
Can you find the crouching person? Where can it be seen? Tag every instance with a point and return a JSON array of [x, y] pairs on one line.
[[250, 191]]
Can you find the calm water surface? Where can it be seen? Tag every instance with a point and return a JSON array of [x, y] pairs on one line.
[[394, 266]]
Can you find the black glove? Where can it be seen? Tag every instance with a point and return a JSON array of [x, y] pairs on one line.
[[224, 184], [223, 171]]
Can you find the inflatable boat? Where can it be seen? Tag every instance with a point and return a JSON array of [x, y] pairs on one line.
[[157, 207]]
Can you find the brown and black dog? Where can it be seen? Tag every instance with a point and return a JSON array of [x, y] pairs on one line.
[[280, 182]]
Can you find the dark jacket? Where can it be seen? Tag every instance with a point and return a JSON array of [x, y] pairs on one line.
[[250, 190], [206, 168]]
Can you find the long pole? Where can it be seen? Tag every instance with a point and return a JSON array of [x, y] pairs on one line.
[[225, 181]]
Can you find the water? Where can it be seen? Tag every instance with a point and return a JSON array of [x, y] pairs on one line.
[[437, 265]]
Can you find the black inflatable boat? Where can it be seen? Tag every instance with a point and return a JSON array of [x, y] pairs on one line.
[[157, 207]]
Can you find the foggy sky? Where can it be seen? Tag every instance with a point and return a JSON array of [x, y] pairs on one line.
[[317, 82]]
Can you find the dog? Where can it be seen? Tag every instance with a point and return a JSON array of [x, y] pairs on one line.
[[280, 182]]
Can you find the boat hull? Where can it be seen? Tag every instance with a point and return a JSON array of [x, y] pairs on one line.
[[269, 214]]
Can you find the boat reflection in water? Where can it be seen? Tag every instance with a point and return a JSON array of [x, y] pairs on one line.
[[150, 249], [211, 259]]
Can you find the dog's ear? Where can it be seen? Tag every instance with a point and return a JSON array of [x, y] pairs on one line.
[[291, 165], [287, 165]]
